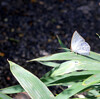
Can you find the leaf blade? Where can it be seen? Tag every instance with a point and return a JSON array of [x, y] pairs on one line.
[[3, 96], [92, 79], [12, 89], [32, 85], [67, 93], [68, 56]]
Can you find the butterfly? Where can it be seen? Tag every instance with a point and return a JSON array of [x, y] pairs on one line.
[[78, 44]]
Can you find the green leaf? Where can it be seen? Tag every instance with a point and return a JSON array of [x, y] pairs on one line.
[[79, 98], [69, 56], [70, 66], [31, 84], [50, 64], [62, 45], [3, 96], [12, 89], [74, 89], [92, 79], [65, 68], [94, 55], [88, 65], [60, 56], [93, 94], [65, 79]]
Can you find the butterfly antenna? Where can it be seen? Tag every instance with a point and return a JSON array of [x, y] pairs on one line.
[[57, 36], [98, 35]]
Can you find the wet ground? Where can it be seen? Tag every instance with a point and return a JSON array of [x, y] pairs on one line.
[[28, 30]]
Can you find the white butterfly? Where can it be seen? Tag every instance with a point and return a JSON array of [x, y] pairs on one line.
[[79, 45]]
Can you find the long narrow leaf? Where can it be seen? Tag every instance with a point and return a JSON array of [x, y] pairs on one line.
[[3, 96], [12, 89], [50, 64], [68, 56], [71, 77], [65, 68], [32, 85], [70, 66], [74, 89], [62, 45], [93, 93], [92, 79], [79, 98]]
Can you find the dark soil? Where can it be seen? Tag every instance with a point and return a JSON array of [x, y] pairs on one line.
[[28, 30]]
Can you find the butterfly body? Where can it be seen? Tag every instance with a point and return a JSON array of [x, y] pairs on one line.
[[78, 44]]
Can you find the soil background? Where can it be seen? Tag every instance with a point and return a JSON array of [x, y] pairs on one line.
[[28, 30]]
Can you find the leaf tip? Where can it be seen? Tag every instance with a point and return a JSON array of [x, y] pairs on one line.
[[30, 60], [9, 61], [84, 84]]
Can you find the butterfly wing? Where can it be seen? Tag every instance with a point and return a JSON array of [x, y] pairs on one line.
[[79, 45], [76, 39], [83, 48]]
